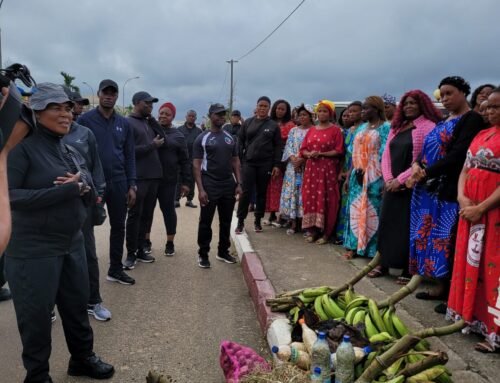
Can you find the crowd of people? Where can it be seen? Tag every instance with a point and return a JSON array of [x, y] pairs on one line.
[[417, 184]]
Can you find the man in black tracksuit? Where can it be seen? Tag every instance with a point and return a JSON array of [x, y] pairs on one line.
[[190, 131], [149, 174]]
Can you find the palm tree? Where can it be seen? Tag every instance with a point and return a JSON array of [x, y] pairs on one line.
[[68, 79]]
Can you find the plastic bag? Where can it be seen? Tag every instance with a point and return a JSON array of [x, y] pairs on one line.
[[237, 361]]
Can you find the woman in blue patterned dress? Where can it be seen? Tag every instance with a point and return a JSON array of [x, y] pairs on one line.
[[434, 207], [291, 193]]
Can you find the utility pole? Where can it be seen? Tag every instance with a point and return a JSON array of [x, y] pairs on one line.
[[232, 86], [1, 66]]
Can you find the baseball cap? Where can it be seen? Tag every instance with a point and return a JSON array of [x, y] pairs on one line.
[[236, 113], [143, 96], [47, 93], [216, 108], [75, 96], [108, 84]]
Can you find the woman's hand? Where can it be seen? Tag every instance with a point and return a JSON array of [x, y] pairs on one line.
[[68, 178], [276, 172], [410, 183], [417, 173], [464, 202], [393, 185], [471, 213], [314, 154]]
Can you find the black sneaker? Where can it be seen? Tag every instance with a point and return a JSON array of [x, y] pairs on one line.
[[169, 249], [239, 227], [226, 258], [92, 366], [130, 262], [257, 226], [144, 258], [203, 262], [121, 277], [191, 204], [147, 247], [177, 204]]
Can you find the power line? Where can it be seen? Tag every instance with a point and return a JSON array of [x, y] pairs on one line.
[[274, 30]]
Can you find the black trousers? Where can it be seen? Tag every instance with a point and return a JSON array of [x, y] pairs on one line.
[[2, 274], [166, 197], [92, 262], [37, 284], [139, 214], [255, 177], [116, 202], [224, 203]]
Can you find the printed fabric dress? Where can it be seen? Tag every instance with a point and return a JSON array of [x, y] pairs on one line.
[[365, 190], [275, 185], [291, 195], [474, 293], [344, 211], [432, 220], [320, 190]]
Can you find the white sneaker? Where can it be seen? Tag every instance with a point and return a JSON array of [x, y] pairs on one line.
[[99, 312]]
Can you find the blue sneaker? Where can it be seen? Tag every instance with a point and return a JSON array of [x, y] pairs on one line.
[[99, 312]]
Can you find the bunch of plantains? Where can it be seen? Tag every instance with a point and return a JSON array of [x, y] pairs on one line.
[[398, 355]]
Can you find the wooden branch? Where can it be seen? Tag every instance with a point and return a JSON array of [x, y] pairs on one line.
[[435, 359], [402, 292]]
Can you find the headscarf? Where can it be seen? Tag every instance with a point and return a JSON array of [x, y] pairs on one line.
[[170, 106], [389, 99], [330, 105]]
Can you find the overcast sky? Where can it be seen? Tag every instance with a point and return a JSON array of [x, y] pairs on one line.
[[335, 49]]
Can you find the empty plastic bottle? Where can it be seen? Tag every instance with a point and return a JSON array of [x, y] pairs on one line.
[[344, 372], [316, 375], [320, 357], [291, 354]]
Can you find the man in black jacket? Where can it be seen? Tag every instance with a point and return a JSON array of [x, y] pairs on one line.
[[190, 131], [83, 140], [149, 174]]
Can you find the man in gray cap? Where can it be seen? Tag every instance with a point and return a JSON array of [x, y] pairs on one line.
[[79, 104], [216, 168], [50, 187], [115, 141], [149, 173]]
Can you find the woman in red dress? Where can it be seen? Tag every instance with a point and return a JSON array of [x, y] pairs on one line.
[[281, 113], [323, 147], [475, 285]]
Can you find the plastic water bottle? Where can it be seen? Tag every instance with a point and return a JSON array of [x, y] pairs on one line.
[[320, 357], [359, 354], [344, 373], [288, 353], [316, 375]]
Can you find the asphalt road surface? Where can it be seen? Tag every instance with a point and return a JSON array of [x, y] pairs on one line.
[[172, 320]]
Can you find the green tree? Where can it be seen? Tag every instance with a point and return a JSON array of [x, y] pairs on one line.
[[68, 81]]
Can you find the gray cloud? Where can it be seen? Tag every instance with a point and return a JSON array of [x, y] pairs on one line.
[[341, 50]]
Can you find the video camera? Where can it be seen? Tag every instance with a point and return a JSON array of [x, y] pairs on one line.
[[13, 107]]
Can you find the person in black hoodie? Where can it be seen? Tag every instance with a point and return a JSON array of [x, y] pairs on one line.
[[261, 148], [175, 161], [49, 189], [149, 174]]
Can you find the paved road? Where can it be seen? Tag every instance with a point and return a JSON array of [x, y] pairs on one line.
[[172, 320]]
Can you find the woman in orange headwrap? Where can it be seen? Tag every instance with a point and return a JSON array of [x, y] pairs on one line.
[[323, 147]]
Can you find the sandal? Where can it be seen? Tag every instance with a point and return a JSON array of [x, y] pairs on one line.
[[310, 239], [427, 296], [403, 280], [321, 241], [290, 231], [377, 272], [349, 254], [486, 348]]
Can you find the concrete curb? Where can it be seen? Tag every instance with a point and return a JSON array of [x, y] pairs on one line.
[[274, 326]]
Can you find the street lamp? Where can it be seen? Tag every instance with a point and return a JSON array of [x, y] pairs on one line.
[[92, 90], [123, 91]]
